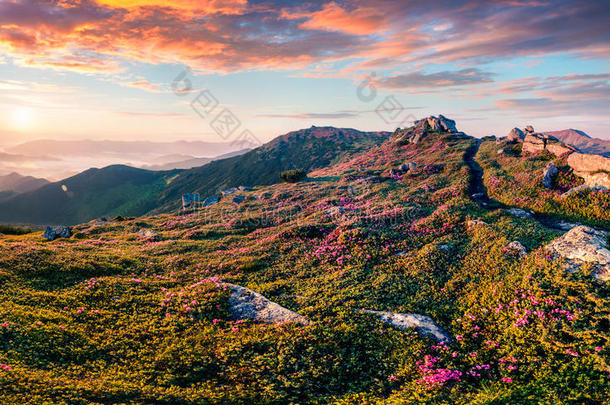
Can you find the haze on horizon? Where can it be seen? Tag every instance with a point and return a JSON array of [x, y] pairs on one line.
[[105, 69]]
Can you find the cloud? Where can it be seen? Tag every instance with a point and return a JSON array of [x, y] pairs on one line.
[[419, 79], [223, 36], [144, 85], [303, 116]]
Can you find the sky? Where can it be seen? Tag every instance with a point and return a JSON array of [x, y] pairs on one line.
[[217, 70]]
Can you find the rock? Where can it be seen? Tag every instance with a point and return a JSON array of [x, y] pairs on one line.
[[564, 225], [148, 234], [549, 173], [423, 128], [558, 149], [54, 232], [238, 199], [245, 188], [595, 169], [581, 245], [519, 213], [247, 304], [516, 248], [478, 195], [209, 201], [515, 135], [400, 254], [335, 211], [395, 172], [532, 143], [423, 324], [475, 222], [229, 191], [529, 129], [500, 151], [373, 179], [189, 200], [582, 188]]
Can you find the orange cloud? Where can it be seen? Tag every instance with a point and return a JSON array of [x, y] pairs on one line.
[[332, 17]]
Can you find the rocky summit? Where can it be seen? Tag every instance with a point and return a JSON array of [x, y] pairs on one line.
[[417, 267]]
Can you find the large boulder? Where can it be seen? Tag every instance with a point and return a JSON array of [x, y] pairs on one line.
[[549, 173], [148, 234], [515, 135], [54, 232], [247, 304], [581, 245], [595, 169], [533, 143], [423, 324]]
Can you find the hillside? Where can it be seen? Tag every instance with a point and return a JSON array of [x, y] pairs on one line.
[[388, 282], [128, 191], [109, 191], [582, 141], [14, 183], [307, 149]]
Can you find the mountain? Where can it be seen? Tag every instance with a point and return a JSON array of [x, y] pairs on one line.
[[306, 149], [582, 141], [15, 183], [129, 191], [433, 268], [187, 162], [95, 192]]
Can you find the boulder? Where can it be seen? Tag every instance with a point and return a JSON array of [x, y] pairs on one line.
[[189, 200], [516, 248], [529, 129], [475, 222], [581, 245], [515, 135], [564, 225], [238, 199], [519, 213], [582, 188], [148, 234], [54, 232], [247, 304], [532, 143], [558, 148], [594, 169], [549, 173], [245, 188], [335, 211], [209, 201], [229, 191], [423, 324]]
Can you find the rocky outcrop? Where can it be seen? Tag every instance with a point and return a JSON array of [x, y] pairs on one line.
[[595, 169], [536, 142], [238, 199], [519, 213], [423, 128], [581, 245], [54, 232], [549, 173], [209, 201], [407, 166], [247, 304], [423, 324], [515, 135]]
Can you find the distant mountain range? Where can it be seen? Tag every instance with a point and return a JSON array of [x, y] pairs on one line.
[[55, 159], [14, 183], [120, 189], [171, 162], [582, 141]]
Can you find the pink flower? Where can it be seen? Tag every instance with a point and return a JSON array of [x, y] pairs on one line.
[[5, 367], [167, 315], [598, 349], [393, 378], [571, 352], [459, 337], [5, 324], [235, 329], [215, 320], [507, 380]]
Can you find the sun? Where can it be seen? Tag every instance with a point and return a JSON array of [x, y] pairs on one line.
[[22, 118]]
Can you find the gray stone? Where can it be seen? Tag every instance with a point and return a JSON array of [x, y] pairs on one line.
[[335, 211], [517, 248], [550, 171], [581, 245], [475, 222], [209, 201], [148, 234], [423, 324], [53, 232], [515, 135], [247, 304], [500, 151], [229, 191], [238, 199], [245, 188], [519, 213], [582, 188], [189, 200], [529, 129]]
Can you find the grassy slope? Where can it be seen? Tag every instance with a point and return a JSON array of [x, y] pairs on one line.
[[87, 318]]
